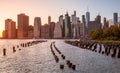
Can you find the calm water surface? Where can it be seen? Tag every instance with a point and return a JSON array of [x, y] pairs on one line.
[[39, 59]]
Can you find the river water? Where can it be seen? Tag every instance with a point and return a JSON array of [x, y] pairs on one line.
[[39, 59]]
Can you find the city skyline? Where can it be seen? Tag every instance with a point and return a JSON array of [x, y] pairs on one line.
[[44, 8]]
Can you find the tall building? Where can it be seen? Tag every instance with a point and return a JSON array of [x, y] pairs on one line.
[[61, 22], [78, 28], [37, 27], [49, 20], [12, 34], [67, 26], [98, 19], [57, 31], [75, 13], [87, 18], [92, 26], [30, 32], [51, 30], [105, 23], [73, 24], [83, 25], [10, 29], [115, 18], [23, 23], [6, 27], [98, 22], [45, 31]]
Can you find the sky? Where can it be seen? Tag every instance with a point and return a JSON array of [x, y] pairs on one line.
[[55, 8]]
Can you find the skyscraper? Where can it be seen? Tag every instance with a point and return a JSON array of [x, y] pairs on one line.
[[105, 23], [57, 31], [37, 27], [73, 24], [87, 18], [12, 34], [51, 29], [23, 23], [6, 27], [67, 26], [115, 18], [45, 31], [98, 19], [84, 27], [98, 22], [61, 22], [30, 32], [10, 29], [49, 20]]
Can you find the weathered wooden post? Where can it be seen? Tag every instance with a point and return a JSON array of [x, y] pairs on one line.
[[14, 49], [73, 67], [61, 66], [114, 52], [4, 52], [100, 48], [119, 52]]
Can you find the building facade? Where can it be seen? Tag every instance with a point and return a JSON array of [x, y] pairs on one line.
[[23, 23], [115, 18], [87, 18], [57, 31], [30, 32], [67, 26], [37, 27], [12, 33], [105, 23], [45, 31], [6, 27], [51, 30]]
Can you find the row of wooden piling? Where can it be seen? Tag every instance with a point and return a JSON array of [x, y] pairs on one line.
[[68, 62], [22, 45], [109, 49]]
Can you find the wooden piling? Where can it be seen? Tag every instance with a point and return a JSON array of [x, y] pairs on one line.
[[4, 52]]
